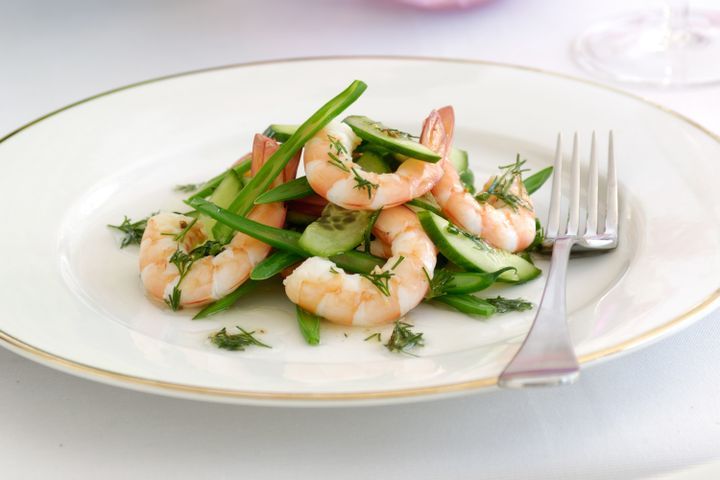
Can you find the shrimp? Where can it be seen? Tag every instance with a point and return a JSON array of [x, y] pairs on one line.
[[380, 297], [209, 277], [333, 175], [509, 227]]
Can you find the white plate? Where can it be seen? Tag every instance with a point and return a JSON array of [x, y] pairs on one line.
[[72, 300]]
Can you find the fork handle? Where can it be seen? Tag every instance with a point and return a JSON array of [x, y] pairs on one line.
[[547, 357]]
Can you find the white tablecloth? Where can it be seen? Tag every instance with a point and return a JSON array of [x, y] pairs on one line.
[[656, 410]]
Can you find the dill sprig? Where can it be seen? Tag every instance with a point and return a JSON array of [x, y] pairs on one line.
[[504, 305], [337, 144], [188, 187], [376, 335], [438, 282], [361, 182], [185, 229], [403, 339], [502, 184], [133, 231], [339, 151], [235, 341], [184, 262], [381, 279]]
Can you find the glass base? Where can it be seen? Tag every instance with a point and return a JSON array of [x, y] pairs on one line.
[[655, 48]]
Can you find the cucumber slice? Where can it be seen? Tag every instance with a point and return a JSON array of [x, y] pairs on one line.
[[223, 196], [473, 253], [467, 177], [459, 158], [280, 132], [394, 140], [371, 161], [336, 231]]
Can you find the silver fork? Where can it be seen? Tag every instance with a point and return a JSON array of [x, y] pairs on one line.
[[547, 357]]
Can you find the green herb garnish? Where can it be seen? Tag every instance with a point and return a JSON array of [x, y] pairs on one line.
[[185, 229], [188, 187], [376, 335], [504, 305], [404, 339], [381, 280], [501, 185], [362, 182], [339, 151], [236, 341], [133, 231], [184, 261]]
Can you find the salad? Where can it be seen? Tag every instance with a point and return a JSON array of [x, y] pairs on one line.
[[381, 221]]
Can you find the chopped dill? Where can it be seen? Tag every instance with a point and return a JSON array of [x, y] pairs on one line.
[[185, 229], [381, 279], [235, 341], [133, 231], [504, 305], [501, 185], [339, 151], [207, 249], [334, 160], [184, 261], [361, 182], [188, 187], [333, 270], [438, 282], [403, 339], [376, 335]]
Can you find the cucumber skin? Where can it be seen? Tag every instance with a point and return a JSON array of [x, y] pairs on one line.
[[362, 126], [280, 132], [324, 239], [435, 227]]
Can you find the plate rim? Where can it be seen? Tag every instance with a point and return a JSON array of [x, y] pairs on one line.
[[249, 396]]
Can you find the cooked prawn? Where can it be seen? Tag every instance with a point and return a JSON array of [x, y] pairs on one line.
[[386, 294], [211, 277], [333, 175], [510, 228]]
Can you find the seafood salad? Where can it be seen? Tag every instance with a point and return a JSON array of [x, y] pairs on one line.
[[381, 221]]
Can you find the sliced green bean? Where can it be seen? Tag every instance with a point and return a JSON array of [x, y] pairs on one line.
[[467, 304], [276, 237], [357, 262], [227, 301], [279, 238], [470, 282], [274, 264], [309, 326], [292, 190], [272, 168], [537, 180]]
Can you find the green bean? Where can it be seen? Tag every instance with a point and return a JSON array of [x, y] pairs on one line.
[[536, 180], [292, 190], [272, 168], [274, 264], [309, 326], [227, 301]]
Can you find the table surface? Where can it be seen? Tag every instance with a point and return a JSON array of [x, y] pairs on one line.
[[654, 413]]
